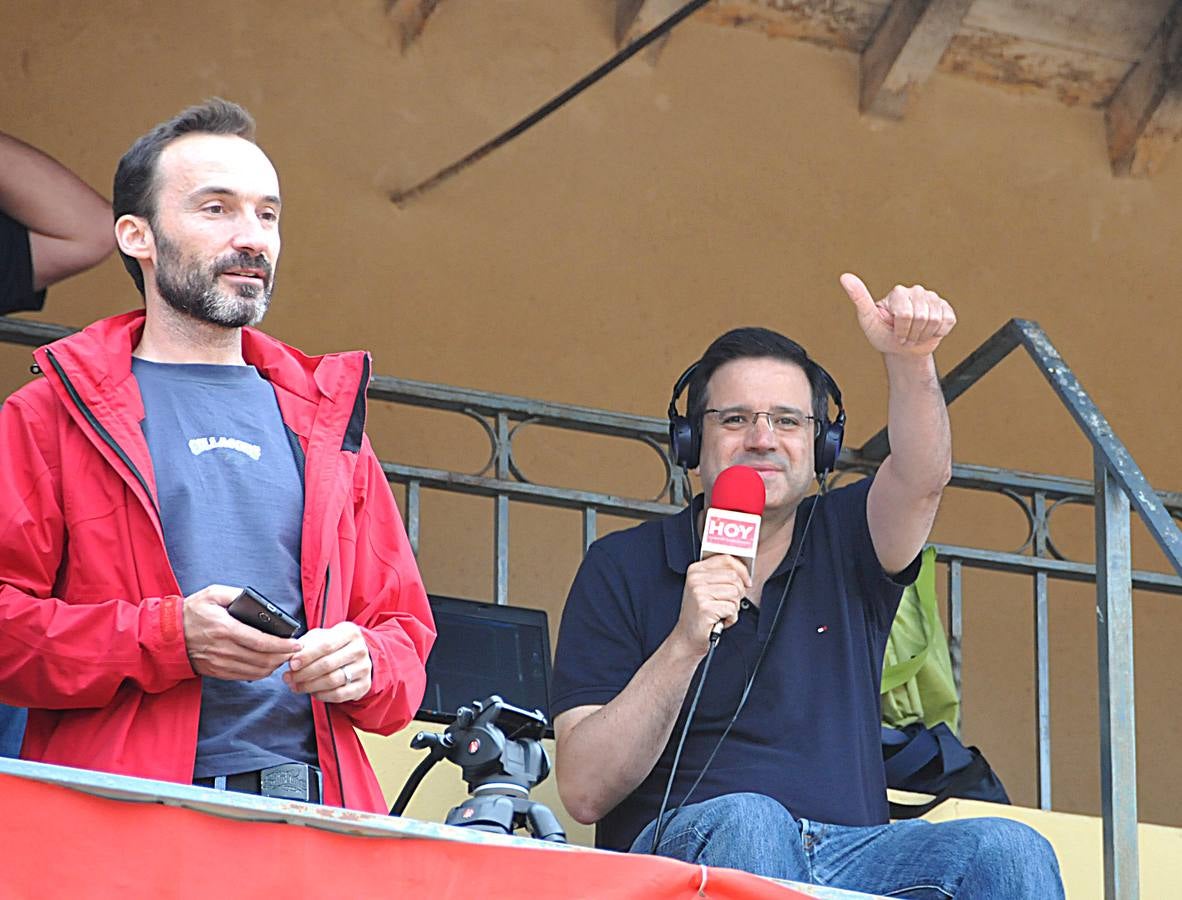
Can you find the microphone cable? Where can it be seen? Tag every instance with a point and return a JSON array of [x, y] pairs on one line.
[[689, 717], [660, 826]]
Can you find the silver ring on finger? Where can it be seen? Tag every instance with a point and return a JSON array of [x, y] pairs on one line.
[[345, 672]]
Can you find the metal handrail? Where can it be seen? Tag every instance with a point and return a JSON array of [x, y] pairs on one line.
[[1118, 487]]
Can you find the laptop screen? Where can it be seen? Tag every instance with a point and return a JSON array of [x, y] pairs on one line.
[[484, 649]]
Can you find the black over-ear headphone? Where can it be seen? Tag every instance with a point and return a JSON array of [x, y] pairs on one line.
[[685, 433]]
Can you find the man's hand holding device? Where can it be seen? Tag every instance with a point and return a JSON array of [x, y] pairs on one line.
[[221, 646]]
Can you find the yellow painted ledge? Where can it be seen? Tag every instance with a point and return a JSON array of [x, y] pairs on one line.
[[1078, 842]]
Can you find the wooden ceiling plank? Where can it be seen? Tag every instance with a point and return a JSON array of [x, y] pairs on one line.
[[1144, 118], [635, 18], [410, 18], [1119, 29], [847, 25], [904, 51]]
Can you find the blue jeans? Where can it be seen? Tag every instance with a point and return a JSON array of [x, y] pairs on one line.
[[992, 859], [12, 730]]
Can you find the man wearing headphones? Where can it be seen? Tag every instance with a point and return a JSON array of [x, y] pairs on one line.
[[797, 791]]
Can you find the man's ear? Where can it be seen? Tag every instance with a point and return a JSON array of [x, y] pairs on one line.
[[134, 236]]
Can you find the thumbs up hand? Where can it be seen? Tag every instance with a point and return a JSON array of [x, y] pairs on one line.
[[909, 321]]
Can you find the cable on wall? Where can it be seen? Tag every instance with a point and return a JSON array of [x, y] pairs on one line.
[[401, 198]]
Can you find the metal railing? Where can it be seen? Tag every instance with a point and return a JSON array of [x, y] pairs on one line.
[[1118, 487]]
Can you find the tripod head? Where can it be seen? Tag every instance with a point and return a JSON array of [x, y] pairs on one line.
[[499, 749], [497, 745]]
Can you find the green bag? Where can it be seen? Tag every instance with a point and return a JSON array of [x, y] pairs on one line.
[[917, 684]]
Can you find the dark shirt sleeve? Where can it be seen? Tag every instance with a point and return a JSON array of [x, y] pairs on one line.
[[16, 269], [880, 591], [599, 645]]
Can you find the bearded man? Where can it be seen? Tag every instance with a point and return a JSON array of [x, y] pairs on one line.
[[172, 456]]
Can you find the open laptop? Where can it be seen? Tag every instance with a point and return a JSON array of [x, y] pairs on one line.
[[483, 649]]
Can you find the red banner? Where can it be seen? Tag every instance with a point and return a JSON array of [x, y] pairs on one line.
[[61, 842]]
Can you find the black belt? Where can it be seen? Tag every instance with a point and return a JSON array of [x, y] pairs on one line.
[[290, 781]]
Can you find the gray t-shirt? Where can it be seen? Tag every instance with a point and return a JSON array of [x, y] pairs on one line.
[[231, 505]]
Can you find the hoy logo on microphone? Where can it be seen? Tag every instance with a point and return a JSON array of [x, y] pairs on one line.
[[727, 530], [730, 532]]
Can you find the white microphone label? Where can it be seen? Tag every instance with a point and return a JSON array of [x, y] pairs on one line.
[[734, 533]]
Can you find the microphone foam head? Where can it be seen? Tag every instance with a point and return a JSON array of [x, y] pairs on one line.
[[739, 489]]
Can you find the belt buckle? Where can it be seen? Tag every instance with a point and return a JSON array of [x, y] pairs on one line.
[[288, 781]]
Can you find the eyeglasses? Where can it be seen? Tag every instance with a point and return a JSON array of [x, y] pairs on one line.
[[778, 421]]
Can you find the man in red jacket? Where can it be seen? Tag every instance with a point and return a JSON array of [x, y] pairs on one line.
[[171, 457]]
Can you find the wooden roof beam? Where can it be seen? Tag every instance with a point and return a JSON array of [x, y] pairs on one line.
[[904, 50], [409, 17], [1144, 117], [638, 17]]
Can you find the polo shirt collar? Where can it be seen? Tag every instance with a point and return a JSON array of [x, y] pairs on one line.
[[681, 540], [802, 514]]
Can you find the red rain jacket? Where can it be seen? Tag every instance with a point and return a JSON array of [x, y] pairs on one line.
[[91, 627]]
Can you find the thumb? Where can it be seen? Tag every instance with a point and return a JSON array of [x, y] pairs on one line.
[[858, 292], [221, 594]]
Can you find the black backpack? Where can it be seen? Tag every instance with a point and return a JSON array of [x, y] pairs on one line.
[[934, 761]]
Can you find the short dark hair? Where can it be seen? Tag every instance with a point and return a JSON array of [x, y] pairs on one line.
[[135, 177], [755, 343]]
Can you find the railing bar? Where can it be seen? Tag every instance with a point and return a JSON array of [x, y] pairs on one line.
[[1029, 483], [560, 415], [677, 488], [1042, 688], [31, 334], [996, 348], [536, 493], [413, 515], [501, 543], [501, 522], [1118, 733], [956, 632], [1118, 463], [590, 527], [1042, 664], [988, 478], [1055, 568]]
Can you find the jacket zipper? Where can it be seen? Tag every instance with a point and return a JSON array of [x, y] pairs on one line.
[[301, 462], [100, 430], [327, 706]]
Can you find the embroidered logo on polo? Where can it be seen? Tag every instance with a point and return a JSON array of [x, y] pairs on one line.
[[197, 446]]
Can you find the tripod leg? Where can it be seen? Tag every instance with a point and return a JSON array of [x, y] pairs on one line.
[[543, 824]]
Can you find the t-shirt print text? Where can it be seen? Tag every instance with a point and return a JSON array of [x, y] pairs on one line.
[[200, 445]]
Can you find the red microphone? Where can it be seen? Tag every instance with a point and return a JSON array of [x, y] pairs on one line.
[[732, 521]]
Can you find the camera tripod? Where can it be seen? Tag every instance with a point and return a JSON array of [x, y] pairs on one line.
[[499, 769]]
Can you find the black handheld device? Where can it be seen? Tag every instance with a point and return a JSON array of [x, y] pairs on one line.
[[257, 611]]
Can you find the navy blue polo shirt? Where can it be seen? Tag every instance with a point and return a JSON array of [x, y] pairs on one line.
[[809, 733]]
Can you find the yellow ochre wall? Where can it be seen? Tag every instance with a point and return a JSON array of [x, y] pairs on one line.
[[589, 261]]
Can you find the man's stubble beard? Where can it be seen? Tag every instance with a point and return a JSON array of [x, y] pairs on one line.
[[193, 290]]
